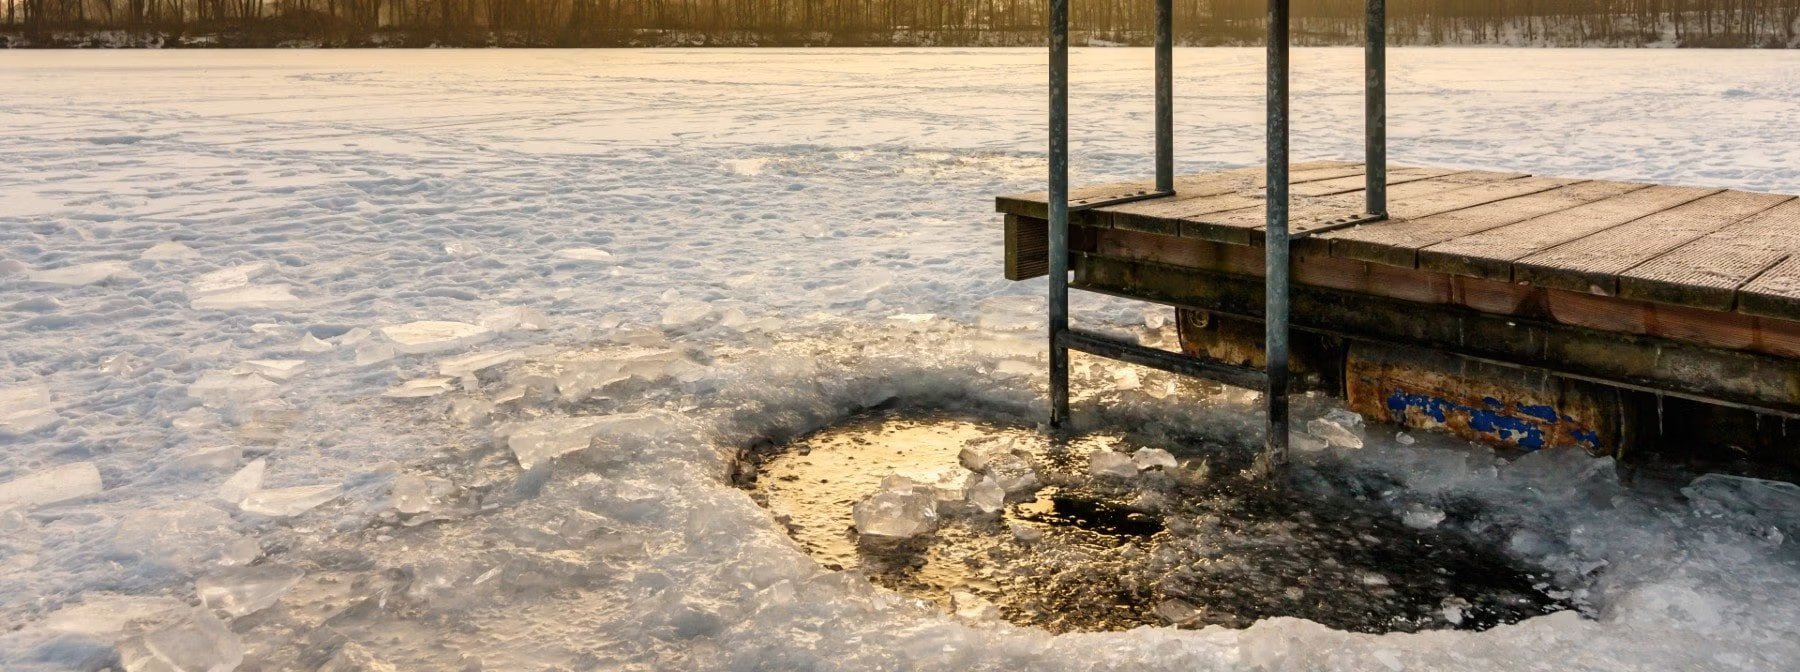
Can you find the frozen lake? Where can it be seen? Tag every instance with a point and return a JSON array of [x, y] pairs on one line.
[[211, 263]]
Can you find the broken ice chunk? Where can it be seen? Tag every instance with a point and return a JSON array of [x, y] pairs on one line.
[[25, 409], [1770, 502], [973, 458], [415, 338], [1013, 473], [102, 614], [515, 318], [421, 388], [895, 514], [1153, 458], [417, 494], [973, 608], [986, 496], [229, 278], [241, 591], [685, 312], [274, 369], [1024, 532], [249, 296], [1125, 378], [210, 458], [584, 254], [1306, 443], [245, 481], [198, 643], [50, 486], [169, 250], [353, 657], [475, 362], [542, 440], [217, 389], [312, 345], [1335, 431], [289, 502], [1106, 462], [1421, 517], [369, 354], [1404, 439], [1179, 612], [79, 275]]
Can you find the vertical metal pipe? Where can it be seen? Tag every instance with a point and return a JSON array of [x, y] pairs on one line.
[[1059, 210], [1375, 106], [1275, 318], [1165, 95]]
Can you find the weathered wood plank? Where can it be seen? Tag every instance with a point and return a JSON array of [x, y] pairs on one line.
[[1416, 198], [1036, 204], [1593, 263], [1490, 254], [1680, 323], [1396, 242], [1731, 376], [1027, 247], [1707, 271], [1775, 293], [1234, 190], [1342, 185]]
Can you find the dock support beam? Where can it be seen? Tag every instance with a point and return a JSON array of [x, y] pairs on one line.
[[1165, 96], [1059, 211], [1275, 335], [1375, 107]]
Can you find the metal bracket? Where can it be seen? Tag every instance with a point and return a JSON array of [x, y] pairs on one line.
[[1344, 222], [1090, 204], [1162, 360]]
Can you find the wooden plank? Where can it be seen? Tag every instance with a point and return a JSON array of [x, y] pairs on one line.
[[1613, 314], [1417, 198], [1707, 271], [1396, 242], [1775, 293], [1490, 254], [1036, 204], [1343, 185], [1027, 247], [1725, 375], [1218, 192], [1592, 263]]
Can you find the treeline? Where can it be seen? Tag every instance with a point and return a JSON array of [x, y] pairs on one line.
[[1689, 23]]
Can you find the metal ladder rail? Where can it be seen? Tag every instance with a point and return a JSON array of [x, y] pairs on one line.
[[1274, 378]]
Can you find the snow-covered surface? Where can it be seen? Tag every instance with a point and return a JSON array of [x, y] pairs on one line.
[[613, 268]]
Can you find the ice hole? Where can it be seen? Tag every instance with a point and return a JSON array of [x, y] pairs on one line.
[[1197, 544]]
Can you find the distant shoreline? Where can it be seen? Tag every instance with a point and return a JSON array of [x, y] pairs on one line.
[[402, 39]]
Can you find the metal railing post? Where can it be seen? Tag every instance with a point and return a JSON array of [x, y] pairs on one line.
[[1375, 107], [1275, 317], [1165, 96], [1059, 210]]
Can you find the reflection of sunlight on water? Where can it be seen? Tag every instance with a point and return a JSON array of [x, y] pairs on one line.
[[1189, 546]]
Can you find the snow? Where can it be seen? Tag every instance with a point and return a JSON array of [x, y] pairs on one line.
[[794, 202]]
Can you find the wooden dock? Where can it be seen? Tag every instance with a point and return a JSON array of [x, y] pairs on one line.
[[1587, 294]]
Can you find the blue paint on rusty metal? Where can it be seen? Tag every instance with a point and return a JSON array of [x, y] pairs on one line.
[[1545, 413], [1523, 425]]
